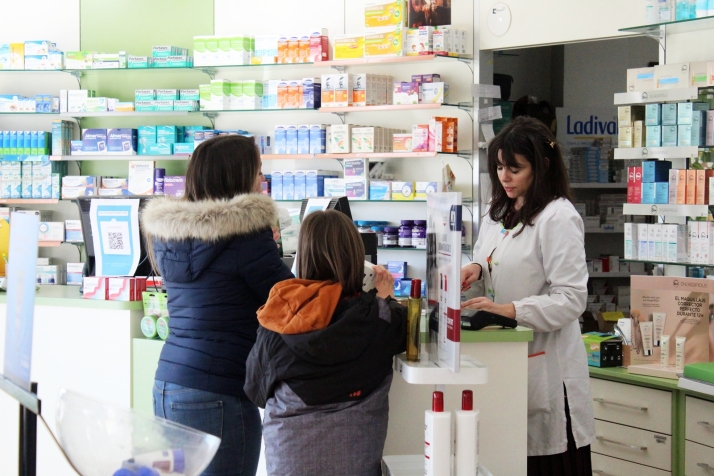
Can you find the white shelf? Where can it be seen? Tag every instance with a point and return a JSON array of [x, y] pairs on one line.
[[599, 185], [699, 211], [413, 465], [71, 115], [631, 153], [604, 232], [657, 95], [610, 275], [424, 372], [59, 158], [696, 386]]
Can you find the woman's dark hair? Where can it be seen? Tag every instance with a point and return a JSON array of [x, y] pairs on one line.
[[221, 168], [532, 139], [330, 249]]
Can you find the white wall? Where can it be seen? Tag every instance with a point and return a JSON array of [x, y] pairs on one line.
[[686, 47], [545, 22]]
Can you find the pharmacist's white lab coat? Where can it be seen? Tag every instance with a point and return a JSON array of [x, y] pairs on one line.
[[543, 273]]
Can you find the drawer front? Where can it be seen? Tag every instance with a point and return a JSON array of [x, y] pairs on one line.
[[631, 405], [607, 466], [698, 459], [632, 444], [700, 421]]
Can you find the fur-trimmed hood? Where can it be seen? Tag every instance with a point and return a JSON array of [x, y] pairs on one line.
[[170, 219]]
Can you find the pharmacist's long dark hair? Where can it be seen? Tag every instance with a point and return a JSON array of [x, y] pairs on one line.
[[533, 140]]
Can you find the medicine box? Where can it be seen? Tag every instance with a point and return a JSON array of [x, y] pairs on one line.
[[141, 177], [73, 232], [356, 168], [357, 188], [403, 190], [335, 187], [94, 287], [671, 76], [51, 231], [640, 79], [653, 113], [656, 170], [423, 188], [627, 115], [174, 185], [380, 190], [74, 274], [669, 136], [398, 269]]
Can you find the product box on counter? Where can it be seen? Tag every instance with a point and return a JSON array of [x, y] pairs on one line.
[[125, 288], [603, 350], [74, 274], [95, 288], [50, 274]]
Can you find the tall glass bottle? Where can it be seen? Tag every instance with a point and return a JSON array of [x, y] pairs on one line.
[[413, 318]]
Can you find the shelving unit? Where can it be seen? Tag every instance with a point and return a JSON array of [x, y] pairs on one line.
[[610, 275], [673, 27], [75, 115], [657, 95], [59, 158], [701, 265], [698, 211], [656, 153], [385, 107], [29, 201], [55, 244], [390, 60], [599, 185]]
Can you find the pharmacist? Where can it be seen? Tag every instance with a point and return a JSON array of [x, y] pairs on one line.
[[530, 259]]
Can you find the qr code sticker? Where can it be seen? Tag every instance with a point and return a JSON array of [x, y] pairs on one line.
[[116, 241]]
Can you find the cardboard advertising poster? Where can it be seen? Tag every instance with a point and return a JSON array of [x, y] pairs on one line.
[[443, 278], [669, 306]]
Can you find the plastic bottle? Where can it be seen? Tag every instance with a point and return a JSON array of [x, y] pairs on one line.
[[419, 234], [413, 322], [391, 236], [364, 227], [405, 233], [466, 434], [437, 438]]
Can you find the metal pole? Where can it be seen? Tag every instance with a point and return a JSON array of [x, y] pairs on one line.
[[28, 439]]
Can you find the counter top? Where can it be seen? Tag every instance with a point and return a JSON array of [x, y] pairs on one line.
[[494, 334], [68, 296], [620, 374]]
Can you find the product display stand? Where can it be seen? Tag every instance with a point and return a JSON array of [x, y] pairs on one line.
[[424, 372], [413, 465], [30, 407]]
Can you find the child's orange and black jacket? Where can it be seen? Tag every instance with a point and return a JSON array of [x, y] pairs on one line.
[[327, 349]]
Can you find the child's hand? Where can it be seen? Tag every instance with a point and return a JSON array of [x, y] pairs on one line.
[[383, 282]]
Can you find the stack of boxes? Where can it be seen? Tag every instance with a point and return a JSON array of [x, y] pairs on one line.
[[24, 143], [343, 90], [31, 55], [439, 40], [657, 183], [31, 179], [302, 93], [299, 184], [301, 139], [40, 104], [422, 89], [239, 49], [225, 95], [48, 273], [170, 140], [113, 289], [597, 164], [662, 242], [663, 125], [166, 100]]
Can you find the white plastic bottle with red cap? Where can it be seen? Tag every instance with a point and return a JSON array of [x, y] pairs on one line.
[[437, 438], [466, 434]]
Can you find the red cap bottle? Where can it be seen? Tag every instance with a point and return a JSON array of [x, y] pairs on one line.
[[437, 402], [467, 400], [415, 292]]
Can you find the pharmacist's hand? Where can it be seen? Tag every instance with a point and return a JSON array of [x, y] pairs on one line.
[[485, 304], [470, 274], [383, 282], [276, 234]]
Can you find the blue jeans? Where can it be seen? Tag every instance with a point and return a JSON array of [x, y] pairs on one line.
[[236, 421]]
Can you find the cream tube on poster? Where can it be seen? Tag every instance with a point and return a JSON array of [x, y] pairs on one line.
[[646, 330], [658, 319], [679, 353], [664, 351]]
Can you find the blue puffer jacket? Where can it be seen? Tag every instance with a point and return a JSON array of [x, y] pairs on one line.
[[219, 262]]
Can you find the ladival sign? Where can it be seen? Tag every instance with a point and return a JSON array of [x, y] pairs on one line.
[[580, 127]]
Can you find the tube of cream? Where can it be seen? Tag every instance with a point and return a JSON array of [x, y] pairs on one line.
[[166, 461], [658, 318], [646, 330], [664, 351], [679, 342]]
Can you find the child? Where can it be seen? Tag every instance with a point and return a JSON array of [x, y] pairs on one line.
[[322, 364]]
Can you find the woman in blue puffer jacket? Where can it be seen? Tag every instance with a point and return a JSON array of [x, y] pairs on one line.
[[217, 254]]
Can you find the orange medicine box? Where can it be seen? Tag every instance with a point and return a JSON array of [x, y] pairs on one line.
[[701, 187], [452, 135], [681, 197], [691, 187]]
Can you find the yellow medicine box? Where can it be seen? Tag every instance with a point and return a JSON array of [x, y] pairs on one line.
[[403, 191], [385, 13], [385, 42], [348, 47]]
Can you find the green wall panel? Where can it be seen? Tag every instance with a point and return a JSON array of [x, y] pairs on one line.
[[135, 26]]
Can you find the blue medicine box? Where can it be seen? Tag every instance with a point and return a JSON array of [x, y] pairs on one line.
[[655, 171]]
